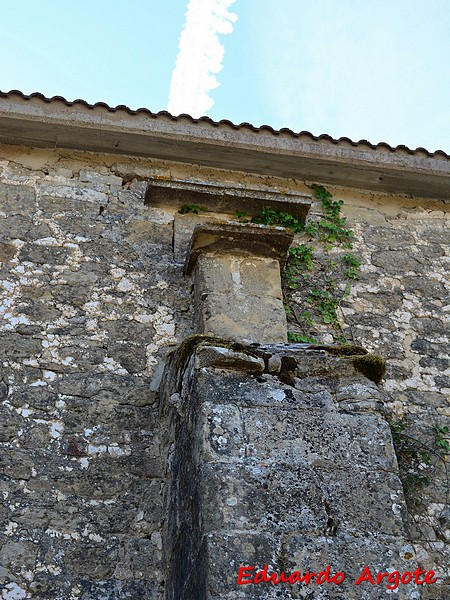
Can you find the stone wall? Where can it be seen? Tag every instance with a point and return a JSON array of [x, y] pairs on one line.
[[271, 480], [400, 309], [92, 299]]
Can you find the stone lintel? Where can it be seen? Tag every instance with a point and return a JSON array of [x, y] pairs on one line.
[[227, 199], [240, 239]]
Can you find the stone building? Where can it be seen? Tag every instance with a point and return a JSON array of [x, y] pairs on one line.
[[139, 460]]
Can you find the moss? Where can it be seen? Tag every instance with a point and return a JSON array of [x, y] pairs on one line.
[[191, 342], [370, 365], [346, 350]]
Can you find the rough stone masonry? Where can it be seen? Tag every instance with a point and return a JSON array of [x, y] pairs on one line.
[[273, 470], [277, 455]]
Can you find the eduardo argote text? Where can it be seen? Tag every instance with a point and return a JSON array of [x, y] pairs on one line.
[[391, 580]]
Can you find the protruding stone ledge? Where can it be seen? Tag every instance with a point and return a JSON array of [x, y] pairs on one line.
[[228, 199], [224, 358], [239, 239]]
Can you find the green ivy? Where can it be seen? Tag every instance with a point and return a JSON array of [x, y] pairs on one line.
[[301, 339], [270, 216], [301, 255], [332, 227], [442, 438], [325, 303], [315, 281], [319, 285], [353, 264]]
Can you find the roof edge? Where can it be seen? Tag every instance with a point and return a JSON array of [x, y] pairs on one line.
[[35, 120]]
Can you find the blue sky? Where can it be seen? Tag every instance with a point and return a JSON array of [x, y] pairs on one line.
[[365, 69]]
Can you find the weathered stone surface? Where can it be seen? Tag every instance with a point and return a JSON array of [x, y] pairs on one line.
[[7, 251], [226, 273], [92, 297], [388, 238], [60, 207], [425, 286], [313, 437], [14, 345], [97, 178], [225, 358], [265, 471], [239, 296], [311, 500], [395, 262], [359, 396], [258, 318], [23, 228], [52, 255], [274, 364], [17, 200]]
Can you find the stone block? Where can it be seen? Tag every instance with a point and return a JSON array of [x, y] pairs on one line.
[[80, 193], [253, 497], [269, 392], [350, 554], [318, 439], [225, 358], [60, 208], [22, 228], [14, 346], [261, 319], [305, 554], [359, 396], [233, 549], [110, 589], [38, 254], [7, 251], [388, 238], [251, 276], [17, 200], [395, 262], [99, 179], [239, 239]]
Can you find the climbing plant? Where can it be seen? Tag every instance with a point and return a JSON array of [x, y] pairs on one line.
[[422, 459], [319, 274]]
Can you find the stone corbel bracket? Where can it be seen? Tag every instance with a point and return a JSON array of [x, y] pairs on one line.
[[240, 239]]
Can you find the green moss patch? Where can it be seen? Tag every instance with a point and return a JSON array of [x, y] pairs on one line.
[[370, 365]]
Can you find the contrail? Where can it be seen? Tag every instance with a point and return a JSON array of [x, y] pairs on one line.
[[200, 56]]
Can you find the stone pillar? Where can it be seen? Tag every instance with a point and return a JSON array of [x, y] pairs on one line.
[[237, 282], [278, 456]]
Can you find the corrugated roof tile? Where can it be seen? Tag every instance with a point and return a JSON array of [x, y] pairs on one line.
[[225, 122]]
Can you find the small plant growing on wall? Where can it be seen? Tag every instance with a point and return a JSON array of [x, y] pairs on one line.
[[423, 464], [319, 271], [319, 274]]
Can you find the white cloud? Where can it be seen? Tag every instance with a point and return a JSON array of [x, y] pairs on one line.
[[200, 56]]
